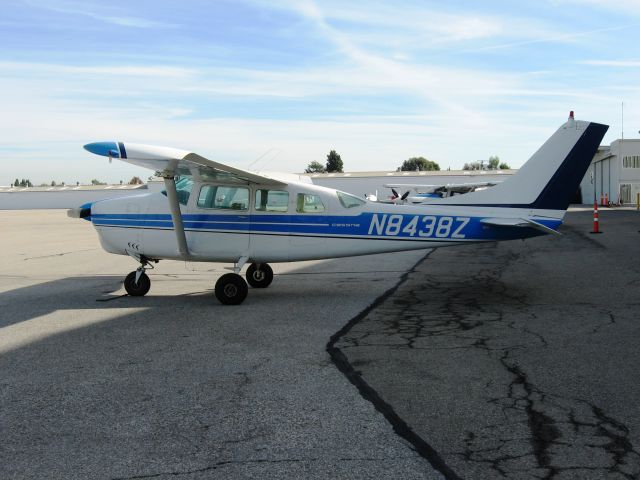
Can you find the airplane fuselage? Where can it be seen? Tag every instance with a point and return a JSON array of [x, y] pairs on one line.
[[224, 222]]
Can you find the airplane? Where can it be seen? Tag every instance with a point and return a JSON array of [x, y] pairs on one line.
[[425, 193], [211, 212]]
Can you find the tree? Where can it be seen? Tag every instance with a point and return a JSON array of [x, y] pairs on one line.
[[472, 166], [492, 164], [97, 182], [334, 162], [53, 183], [414, 164], [16, 183], [315, 167], [135, 181]]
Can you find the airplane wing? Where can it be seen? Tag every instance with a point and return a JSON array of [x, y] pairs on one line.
[[426, 188], [165, 159]]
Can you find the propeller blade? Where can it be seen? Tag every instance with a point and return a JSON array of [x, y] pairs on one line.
[[405, 195], [395, 194]]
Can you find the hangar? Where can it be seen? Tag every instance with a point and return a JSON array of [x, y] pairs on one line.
[[614, 172]]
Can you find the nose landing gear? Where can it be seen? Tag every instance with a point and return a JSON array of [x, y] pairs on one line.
[[137, 284]]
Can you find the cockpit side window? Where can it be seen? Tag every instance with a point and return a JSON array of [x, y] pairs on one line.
[[349, 201], [309, 203], [223, 197]]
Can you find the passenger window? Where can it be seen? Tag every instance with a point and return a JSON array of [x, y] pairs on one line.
[[308, 203], [227, 198], [349, 201], [272, 200]]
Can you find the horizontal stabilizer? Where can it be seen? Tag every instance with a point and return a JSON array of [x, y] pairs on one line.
[[518, 222]]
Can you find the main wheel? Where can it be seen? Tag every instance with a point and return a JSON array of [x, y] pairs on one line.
[[231, 289], [259, 277], [139, 289]]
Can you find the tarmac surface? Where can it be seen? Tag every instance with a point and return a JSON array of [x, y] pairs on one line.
[[511, 360], [516, 360], [95, 384]]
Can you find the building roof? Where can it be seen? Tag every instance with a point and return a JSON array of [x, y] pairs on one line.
[[71, 188], [436, 173]]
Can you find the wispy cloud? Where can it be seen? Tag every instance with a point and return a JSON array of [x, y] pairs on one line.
[[100, 11], [612, 63], [557, 38], [160, 71]]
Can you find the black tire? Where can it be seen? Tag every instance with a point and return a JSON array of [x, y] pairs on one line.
[[141, 288], [231, 289], [261, 278]]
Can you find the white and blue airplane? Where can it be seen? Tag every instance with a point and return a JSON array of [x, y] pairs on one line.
[[210, 212]]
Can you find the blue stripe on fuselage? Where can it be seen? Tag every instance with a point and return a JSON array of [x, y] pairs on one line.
[[365, 225]]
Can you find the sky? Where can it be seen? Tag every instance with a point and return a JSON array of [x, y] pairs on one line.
[[272, 86]]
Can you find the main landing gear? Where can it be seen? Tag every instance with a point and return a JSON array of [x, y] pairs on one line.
[[231, 288]]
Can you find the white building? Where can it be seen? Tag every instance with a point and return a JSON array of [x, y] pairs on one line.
[[26, 198], [614, 171]]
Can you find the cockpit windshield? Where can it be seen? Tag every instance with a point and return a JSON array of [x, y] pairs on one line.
[[349, 201]]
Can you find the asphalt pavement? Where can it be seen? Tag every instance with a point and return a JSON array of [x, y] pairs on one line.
[[518, 359], [95, 384], [515, 360]]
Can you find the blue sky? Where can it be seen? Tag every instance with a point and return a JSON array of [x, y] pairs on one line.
[[285, 82]]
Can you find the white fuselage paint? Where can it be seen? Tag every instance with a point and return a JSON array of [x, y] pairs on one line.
[[341, 232]]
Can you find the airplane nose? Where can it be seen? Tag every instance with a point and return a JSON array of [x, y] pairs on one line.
[[106, 149]]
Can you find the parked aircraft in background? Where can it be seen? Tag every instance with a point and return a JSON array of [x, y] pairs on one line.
[[211, 212], [418, 193]]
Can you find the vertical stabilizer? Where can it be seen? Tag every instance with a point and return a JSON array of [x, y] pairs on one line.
[[550, 178]]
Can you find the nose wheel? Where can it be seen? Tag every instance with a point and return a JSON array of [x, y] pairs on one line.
[[137, 284]]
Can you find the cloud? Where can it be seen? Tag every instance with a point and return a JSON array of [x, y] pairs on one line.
[[625, 6], [99, 12], [158, 71], [612, 63], [556, 38]]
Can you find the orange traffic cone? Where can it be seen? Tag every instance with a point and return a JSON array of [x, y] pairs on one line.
[[596, 223]]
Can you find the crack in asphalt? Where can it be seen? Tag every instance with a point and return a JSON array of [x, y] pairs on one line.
[[541, 432], [400, 427], [61, 254], [225, 463]]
